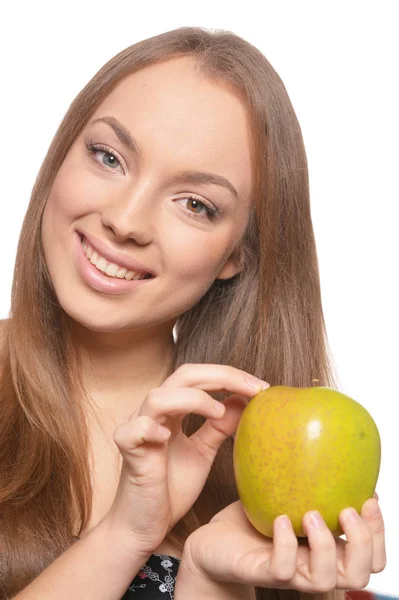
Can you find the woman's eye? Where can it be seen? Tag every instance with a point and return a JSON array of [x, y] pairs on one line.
[[207, 211], [109, 158]]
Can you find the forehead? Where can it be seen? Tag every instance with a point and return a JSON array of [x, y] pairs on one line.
[[180, 117]]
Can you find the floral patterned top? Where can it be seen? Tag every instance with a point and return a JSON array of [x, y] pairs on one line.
[[155, 580]]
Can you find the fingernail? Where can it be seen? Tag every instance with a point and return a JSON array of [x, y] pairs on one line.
[[220, 408], [264, 384], [257, 384], [316, 520], [283, 522]]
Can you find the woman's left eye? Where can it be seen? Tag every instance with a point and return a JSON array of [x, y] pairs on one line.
[[211, 211]]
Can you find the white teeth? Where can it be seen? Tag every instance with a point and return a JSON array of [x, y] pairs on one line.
[[122, 272], [111, 269]]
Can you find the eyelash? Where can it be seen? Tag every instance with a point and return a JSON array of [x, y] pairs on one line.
[[212, 211]]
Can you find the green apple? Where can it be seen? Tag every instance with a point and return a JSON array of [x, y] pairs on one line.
[[301, 449]]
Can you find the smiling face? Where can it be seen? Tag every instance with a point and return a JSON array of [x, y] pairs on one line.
[[137, 202]]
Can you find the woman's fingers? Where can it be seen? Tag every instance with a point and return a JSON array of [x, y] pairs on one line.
[[162, 403], [131, 435], [282, 563], [337, 564], [215, 378], [371, 513], [209, 437], [185, 391], [141, 443], [355, 571], [322, 566]]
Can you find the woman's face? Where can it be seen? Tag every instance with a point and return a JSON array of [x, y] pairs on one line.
[[138, 205]]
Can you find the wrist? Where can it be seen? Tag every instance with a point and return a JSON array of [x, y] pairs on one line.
[[123, 542]]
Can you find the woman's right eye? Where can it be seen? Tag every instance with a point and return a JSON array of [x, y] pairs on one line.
[[109, 155]]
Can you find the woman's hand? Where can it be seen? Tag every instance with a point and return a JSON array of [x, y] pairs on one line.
[[230, 549], [163, 470]]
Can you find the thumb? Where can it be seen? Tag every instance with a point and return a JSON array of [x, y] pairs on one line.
[[214, 432]]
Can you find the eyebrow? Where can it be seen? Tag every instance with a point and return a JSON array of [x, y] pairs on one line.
[[196, 177]]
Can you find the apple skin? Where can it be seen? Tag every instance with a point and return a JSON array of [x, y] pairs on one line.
[[300, 449]]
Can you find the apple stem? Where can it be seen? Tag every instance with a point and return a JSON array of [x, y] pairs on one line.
[[315, 381]]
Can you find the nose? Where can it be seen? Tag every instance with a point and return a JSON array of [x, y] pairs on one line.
[[131, 215]]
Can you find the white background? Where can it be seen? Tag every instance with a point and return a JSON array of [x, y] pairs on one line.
[[339, 63]]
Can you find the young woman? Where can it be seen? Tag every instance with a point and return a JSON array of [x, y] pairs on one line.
[[166, 269]]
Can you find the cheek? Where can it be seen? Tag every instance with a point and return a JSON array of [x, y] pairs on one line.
[[56, 220], [76, 191], [66, 202], [197, 258]]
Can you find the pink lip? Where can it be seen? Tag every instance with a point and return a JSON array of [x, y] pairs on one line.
[[114, 257], [98, 280]]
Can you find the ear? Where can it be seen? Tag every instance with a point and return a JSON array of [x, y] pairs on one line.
[[232, 266]]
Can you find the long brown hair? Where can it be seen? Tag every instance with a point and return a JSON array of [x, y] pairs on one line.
[[267, 320]]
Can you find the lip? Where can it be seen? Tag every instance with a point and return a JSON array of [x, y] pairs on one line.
[[113, 256], [97, 280]]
